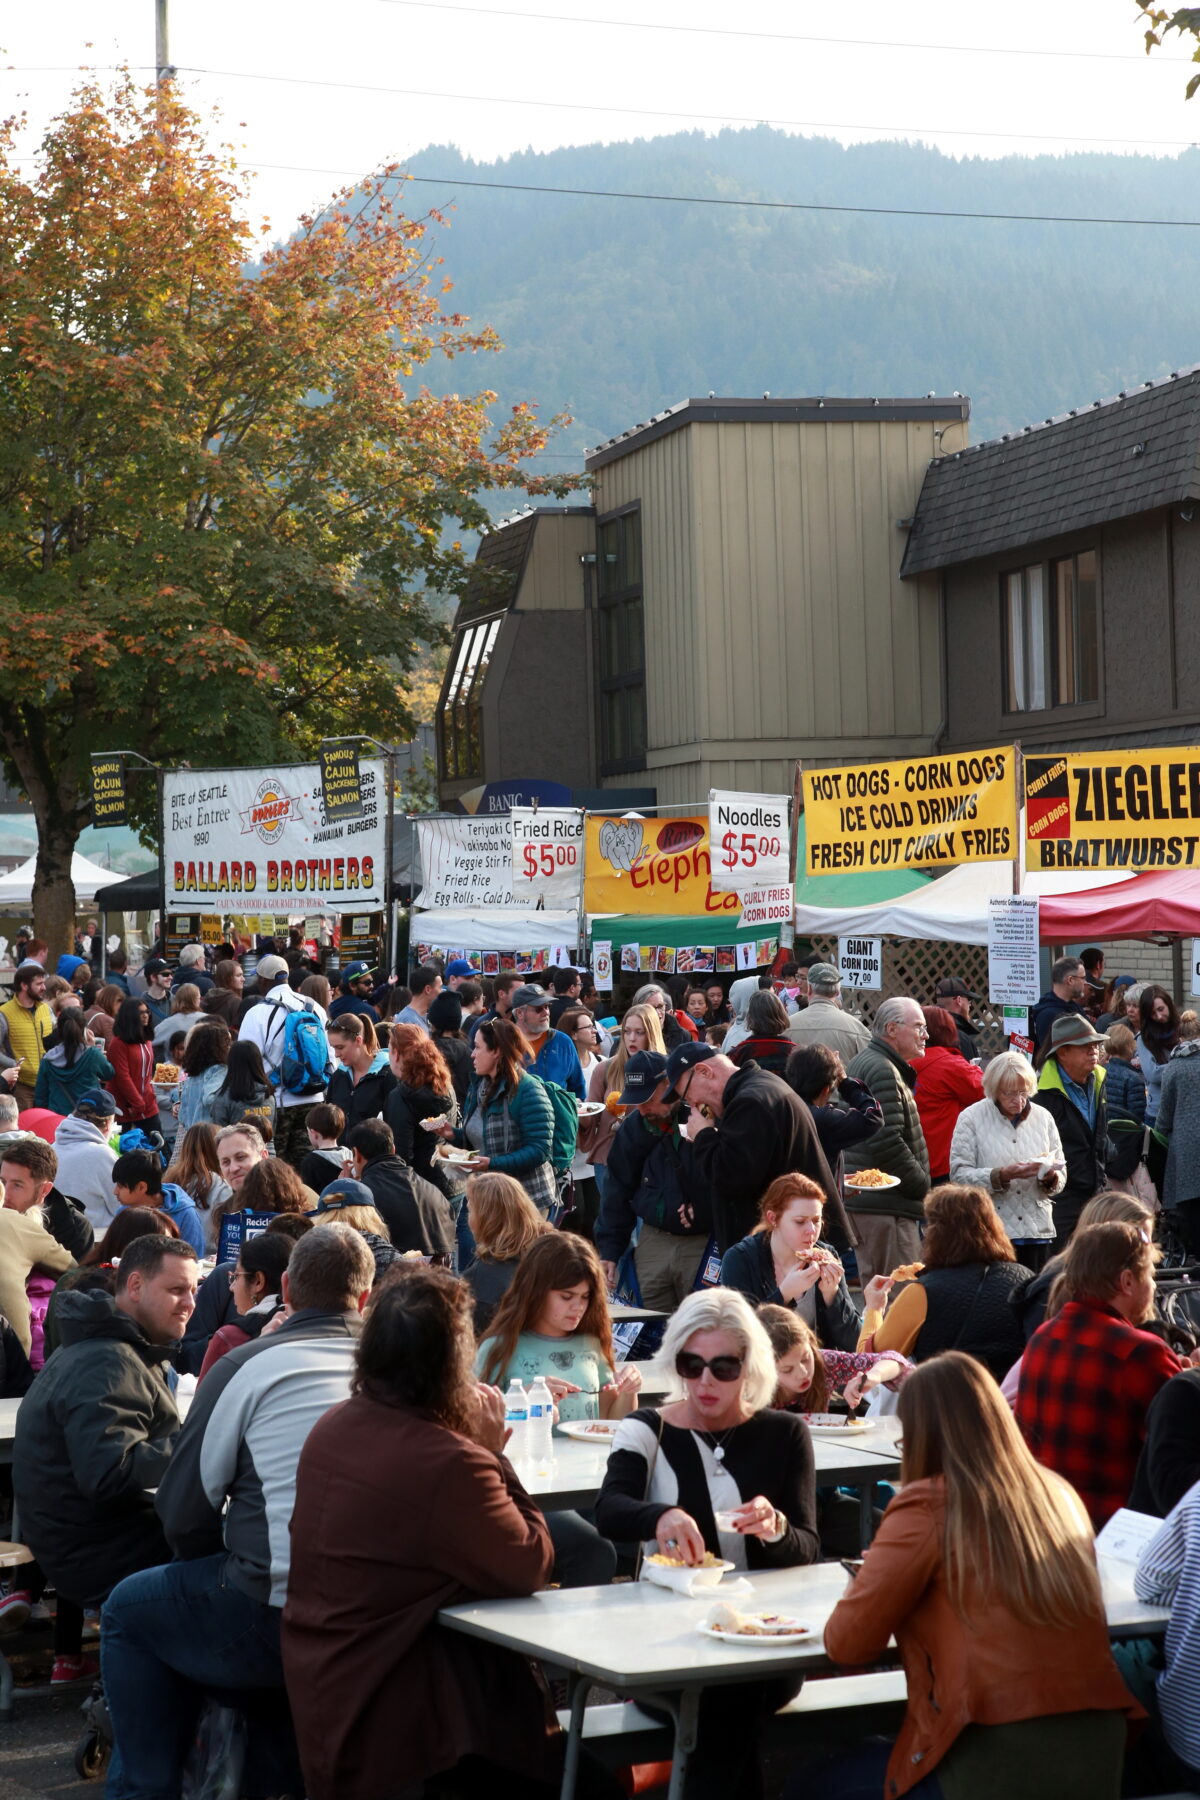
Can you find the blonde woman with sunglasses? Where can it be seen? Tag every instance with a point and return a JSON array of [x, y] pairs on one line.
[[716, 1469]]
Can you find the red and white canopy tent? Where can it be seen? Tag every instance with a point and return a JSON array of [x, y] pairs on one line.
[[1163, 903]]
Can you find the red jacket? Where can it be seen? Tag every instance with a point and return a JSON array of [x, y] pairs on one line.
[[132, 1084], [946, 1082], [1087, 1380]]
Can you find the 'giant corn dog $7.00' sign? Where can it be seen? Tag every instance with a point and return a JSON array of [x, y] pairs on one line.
[[923, 812], [1115, 809]]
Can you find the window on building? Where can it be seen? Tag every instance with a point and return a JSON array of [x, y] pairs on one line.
[[1052, 634], [460, 730], [621, 652]]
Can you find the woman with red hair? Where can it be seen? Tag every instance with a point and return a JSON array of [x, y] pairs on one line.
[[424, 1090], [946, 1083]]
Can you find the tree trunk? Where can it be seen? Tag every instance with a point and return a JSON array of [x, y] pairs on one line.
[[53, 889]]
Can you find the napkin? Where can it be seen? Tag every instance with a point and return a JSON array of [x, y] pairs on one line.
[[694, 1583]]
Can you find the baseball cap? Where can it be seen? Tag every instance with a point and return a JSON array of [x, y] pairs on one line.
[[824, 975], [344, 1193], [459, 966], [1072, 1028], [953, 987], [98, 1102], [643, 1072], [270, 968], [530, 995], [1125, 981], [156, 966], [351, 972], [682, 1058]]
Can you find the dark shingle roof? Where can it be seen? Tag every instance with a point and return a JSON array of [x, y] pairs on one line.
[[1106, 461], [499, 561]]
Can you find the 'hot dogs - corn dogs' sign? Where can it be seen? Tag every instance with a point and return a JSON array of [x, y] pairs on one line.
[[924, 812]]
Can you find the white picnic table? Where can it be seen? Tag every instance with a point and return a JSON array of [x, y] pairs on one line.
[[644, 1641], [571, 1477]]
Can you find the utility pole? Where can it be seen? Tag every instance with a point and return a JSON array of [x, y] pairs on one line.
[[162, 53]]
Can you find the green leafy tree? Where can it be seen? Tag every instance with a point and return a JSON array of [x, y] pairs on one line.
[[1161, 20], [223, 498]]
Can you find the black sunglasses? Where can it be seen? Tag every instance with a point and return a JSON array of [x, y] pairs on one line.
[[691, 1367]]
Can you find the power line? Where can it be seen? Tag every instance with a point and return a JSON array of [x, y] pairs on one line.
[[806, 206], [646, 112], [784, 37]]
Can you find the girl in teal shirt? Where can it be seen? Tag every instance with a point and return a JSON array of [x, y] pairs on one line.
[[554, 1322]]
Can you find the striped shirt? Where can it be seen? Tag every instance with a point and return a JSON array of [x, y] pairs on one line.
[[1168, 1574]]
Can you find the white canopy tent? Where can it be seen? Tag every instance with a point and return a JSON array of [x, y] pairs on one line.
[[499, 928], [952, 910], [16, 888]]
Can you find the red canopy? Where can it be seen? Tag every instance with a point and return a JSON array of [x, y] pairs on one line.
[[1164, 901]]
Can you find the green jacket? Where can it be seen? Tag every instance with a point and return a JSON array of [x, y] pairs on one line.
[[899, 1149]]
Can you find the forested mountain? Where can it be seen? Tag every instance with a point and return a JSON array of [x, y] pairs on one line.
[[615, 309]]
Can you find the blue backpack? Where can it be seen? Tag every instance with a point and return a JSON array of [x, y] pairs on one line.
[[305, 1065]]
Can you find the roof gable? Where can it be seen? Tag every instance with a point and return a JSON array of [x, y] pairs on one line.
[[1110, 460]]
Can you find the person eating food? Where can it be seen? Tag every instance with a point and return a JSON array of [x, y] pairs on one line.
[[717, 1471], [785, 1262]]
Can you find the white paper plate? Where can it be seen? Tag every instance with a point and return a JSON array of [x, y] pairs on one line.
[[588, 1109], [458, 1156], [837, 1424], [872, 1187], [777, 1641], [590, 1431]]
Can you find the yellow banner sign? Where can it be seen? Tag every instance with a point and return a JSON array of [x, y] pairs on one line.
[[651, 866], [1116, 809], [924, 812]]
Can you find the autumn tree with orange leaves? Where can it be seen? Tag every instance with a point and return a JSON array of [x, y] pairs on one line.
[[224, 498]]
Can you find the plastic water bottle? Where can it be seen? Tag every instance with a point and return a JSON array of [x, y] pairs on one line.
[[516, 1417], [541, 1422]]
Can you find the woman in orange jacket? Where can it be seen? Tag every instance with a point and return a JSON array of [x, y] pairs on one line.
[[984, 1572]]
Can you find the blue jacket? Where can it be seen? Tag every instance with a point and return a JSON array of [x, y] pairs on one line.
[[558, 1060], [749, 1268], [652, 1176], [530, 1111], [182, 1211]]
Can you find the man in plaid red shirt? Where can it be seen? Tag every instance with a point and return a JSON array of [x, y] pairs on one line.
[[1088, 1374]]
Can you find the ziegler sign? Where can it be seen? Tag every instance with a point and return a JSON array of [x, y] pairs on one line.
[[1126, 809], [263, 835]]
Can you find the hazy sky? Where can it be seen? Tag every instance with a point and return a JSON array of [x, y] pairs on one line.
[[492, 83]]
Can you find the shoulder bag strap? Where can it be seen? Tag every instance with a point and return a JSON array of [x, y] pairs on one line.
[[650, 1467]]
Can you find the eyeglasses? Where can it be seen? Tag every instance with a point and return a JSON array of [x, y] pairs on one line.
[[236, 1275], [690, 1367]]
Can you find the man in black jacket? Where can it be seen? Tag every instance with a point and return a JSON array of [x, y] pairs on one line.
[[1170, 1461], [652, 1176], [417, 1216], [28, 1168], [760, 1129], [96, 1430]]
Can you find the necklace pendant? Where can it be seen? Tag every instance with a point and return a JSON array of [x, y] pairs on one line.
[[719, 1452]]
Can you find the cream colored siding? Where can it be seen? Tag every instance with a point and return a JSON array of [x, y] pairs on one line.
[[660, 477], [776, 622], [552, 579]]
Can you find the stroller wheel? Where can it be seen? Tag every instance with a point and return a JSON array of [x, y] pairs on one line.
[[91, 1756]]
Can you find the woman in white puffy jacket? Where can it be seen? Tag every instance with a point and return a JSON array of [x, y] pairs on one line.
[[1009, 1145]]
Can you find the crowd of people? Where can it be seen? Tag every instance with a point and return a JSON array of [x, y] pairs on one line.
[[262, 1330]]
